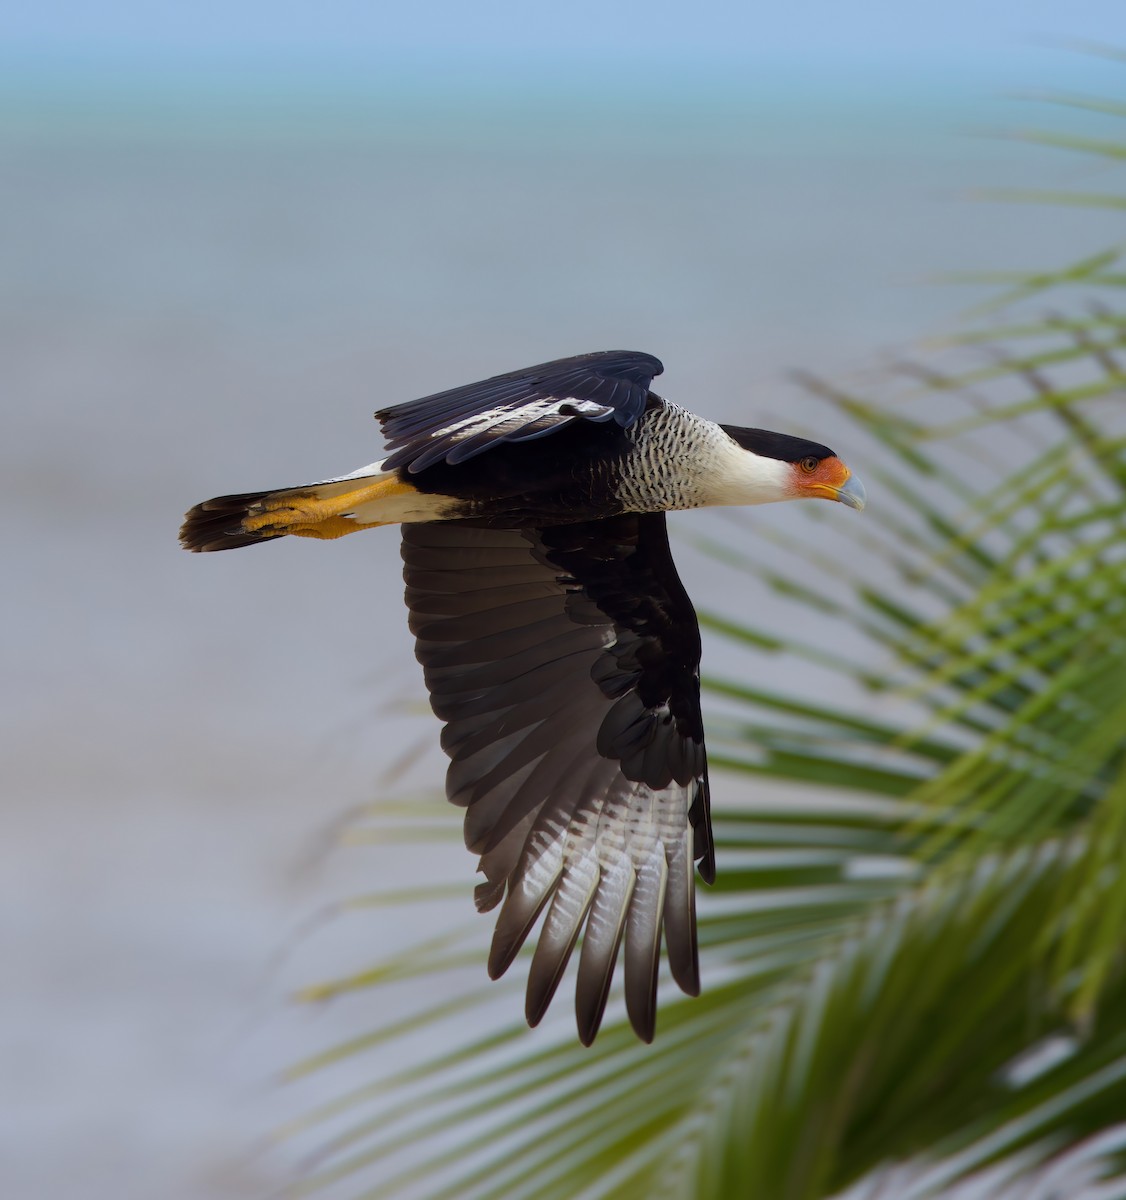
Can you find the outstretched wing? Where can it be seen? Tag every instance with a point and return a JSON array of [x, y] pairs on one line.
[[465, 421], [565, 663]]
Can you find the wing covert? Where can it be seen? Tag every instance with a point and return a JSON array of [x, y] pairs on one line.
[[565, 664], [465, 421]]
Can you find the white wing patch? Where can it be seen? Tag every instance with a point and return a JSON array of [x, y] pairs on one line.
[[505, 419]]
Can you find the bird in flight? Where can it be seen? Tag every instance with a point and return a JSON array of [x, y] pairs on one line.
[[558, 644]]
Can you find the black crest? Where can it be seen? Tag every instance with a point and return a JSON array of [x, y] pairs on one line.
[[776, 445]]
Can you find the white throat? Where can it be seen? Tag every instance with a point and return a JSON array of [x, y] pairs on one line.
[[738, 476]]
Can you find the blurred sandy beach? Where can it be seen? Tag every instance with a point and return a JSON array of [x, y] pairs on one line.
[[198, 297]]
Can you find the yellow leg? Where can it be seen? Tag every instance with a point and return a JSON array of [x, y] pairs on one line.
[[332, 527], [306, 514]]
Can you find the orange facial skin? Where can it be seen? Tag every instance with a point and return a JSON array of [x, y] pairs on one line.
[[827, 479]]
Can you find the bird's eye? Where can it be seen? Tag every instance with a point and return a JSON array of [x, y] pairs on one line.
[[809, 465]]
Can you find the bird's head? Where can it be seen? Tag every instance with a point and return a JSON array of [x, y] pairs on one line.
[[781, 467]]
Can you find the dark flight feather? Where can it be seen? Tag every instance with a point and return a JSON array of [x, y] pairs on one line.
[[571, 697]]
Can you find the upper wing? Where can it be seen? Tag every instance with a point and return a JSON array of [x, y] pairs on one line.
[[565, 663], [516, 407]]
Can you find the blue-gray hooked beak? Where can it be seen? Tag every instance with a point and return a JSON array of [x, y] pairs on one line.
[[851, 492]]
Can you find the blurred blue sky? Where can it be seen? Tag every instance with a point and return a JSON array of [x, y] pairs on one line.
[[285, 35]]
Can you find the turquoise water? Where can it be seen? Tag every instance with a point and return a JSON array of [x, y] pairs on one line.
[[204, 291]]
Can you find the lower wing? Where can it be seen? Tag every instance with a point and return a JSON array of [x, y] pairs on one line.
[[565, 663]]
